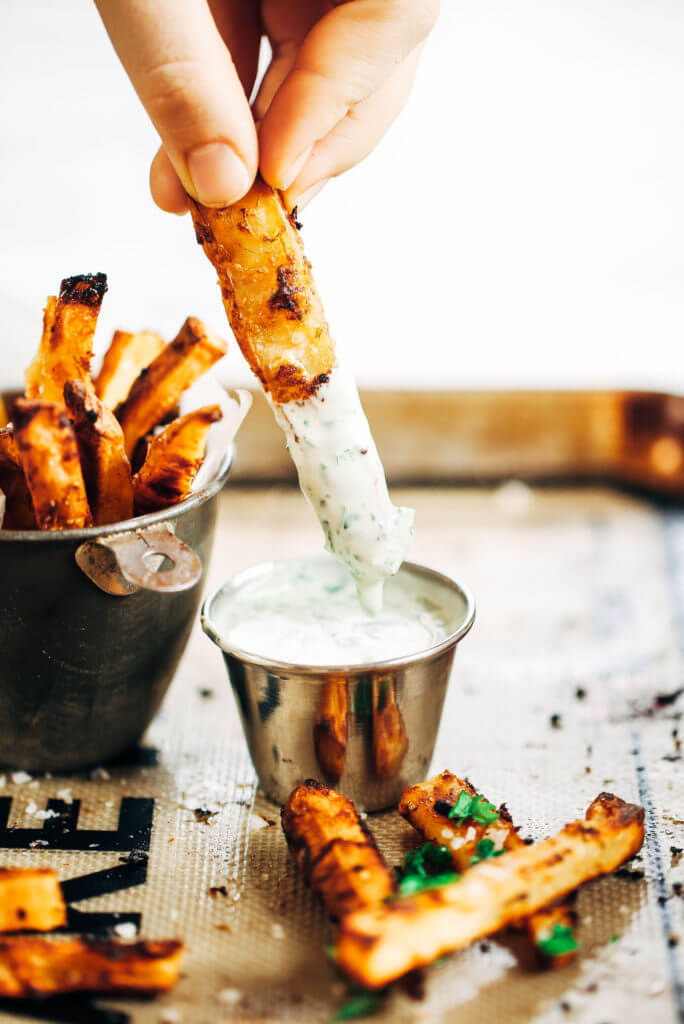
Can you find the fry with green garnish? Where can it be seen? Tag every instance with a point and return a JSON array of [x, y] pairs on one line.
[[448, 811], [379, 944]]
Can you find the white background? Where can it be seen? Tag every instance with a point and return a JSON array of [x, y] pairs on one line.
[[522, 224]]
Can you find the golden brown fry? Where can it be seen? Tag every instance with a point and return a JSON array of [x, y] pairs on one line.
[[390, 741], [9, 453], [41, 967], [4, 418], [420, 806], [172, 461], [106, 469], [66, 347], [49, 457], [18, 506], [159, 386], [378, 944], [417, 805], [330, 727], [30, 900], [268, 291], [126, 356], [333, 849]]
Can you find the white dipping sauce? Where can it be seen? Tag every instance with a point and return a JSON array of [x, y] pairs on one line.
[[340, 472], [306, 612]]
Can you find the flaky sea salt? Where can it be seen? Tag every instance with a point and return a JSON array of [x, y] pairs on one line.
[[19, 778], [230, 996], [125, 930]]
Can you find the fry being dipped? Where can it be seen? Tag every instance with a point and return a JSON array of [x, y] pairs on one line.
[[106, 468], [50, 461], [449, 812], [378, 944], [334, 850], [277, 318], [172, 461]]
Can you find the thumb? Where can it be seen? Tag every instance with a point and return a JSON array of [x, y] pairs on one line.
[[186, 80]]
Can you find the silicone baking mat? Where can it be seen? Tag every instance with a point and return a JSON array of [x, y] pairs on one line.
[[569, 684]]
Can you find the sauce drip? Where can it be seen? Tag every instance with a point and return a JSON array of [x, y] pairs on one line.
[[340, 473]]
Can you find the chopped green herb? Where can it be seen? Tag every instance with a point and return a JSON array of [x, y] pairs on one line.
[[461, 809], [475, 807], [330, 952], [483, 811], [614, 938], [560, 941], [361, 1004], [411, 884], [484, 850], [421, 869]]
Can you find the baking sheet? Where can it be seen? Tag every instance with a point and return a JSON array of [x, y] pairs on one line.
[[580, 615]]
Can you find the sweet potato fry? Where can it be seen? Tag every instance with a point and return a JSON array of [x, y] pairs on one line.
[[158, 386], [41, 967], [390, 741], [18, 506], [427, 806], [268, 291], [30, 900], [126, 356], [378, 944], [330, 727], [172, 461], [49, 457], [4, 418], [66, 347], [9, 453], [333, 849], [106, 469]]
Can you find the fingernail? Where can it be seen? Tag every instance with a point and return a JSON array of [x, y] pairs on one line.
[[218, 175], [288, 176], [305, 197]]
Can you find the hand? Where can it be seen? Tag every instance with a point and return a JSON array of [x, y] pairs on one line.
[[340, 74]]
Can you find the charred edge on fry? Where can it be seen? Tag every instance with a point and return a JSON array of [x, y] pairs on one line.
[[84, 289], [287, 296]]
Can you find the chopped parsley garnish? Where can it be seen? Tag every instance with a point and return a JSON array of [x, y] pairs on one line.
[[361, 1004], [484, 850], [425, 869], [560, 941], [475, 807]]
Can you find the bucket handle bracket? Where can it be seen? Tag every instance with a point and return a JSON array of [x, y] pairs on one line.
[[123, 563]]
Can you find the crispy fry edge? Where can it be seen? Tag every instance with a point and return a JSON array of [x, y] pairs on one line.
[[376, 945], [334, 849]]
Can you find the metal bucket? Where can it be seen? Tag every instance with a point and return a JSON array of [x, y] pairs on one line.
[[92, 625], [368, 730]]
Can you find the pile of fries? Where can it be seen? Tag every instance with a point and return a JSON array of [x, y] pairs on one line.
[[472, 877], [77, 451], [31, 900]]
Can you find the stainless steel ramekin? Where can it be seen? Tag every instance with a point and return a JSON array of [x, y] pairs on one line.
[[368, 730]]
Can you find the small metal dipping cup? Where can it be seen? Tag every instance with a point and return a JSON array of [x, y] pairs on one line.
[[367, 730]]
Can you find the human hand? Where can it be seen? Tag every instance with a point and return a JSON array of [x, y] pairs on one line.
[[339, 75]]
